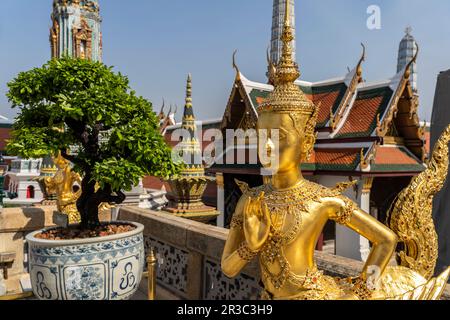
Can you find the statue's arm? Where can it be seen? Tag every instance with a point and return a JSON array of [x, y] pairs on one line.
[[384, 240], [236, 254]]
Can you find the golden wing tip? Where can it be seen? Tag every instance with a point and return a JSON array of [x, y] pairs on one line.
[[242, 185]]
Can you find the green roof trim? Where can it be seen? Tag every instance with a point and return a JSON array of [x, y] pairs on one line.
[[6, 125], [384, 92], [308, 166], [397, 168], [340, 86]]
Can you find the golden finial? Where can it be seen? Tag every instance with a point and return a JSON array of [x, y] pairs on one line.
[[363, 161], [235, 66], [413, 60], [163, 106], [271, 69], [332, 118], [189, 91]]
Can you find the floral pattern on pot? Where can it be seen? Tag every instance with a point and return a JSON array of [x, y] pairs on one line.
[[102, 270], [85, 283]]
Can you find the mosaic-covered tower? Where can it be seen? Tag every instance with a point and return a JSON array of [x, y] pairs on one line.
[[185, 198], [276, 45], [406, 52], [76, 29]]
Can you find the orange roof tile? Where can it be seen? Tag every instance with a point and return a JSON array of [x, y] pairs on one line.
[[393, 155], [326, 101], [362, 120], [394, 159], [333, 159], [336, 156], [361, 116]]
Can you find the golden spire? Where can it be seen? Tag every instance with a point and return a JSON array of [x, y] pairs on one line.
[[286, 96], [189, 91], [287, 68], [188, 115]]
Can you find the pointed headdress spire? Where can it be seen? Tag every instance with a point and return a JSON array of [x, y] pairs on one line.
[[286, 96]]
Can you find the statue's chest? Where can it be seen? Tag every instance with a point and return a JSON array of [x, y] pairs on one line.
[[290, 212]]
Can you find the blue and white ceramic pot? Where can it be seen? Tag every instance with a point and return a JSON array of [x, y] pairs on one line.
[[104, 268]]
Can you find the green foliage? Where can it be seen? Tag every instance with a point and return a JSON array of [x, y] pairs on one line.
[[85, 98]]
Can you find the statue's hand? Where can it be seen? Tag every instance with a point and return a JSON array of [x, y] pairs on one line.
[[256, 222]]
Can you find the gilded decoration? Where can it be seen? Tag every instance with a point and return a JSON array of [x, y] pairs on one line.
[[62, 184], [82, 40], [187, 189], [54, 38]]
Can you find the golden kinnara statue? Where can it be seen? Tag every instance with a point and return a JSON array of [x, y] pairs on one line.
[[281, 221], [62, 185]]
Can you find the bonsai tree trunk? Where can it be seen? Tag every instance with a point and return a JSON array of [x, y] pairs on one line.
[[90, 200]]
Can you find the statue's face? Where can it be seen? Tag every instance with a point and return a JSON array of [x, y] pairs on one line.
[[280, 143]]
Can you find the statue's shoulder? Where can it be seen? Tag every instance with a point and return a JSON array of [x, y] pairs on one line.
[[317, 189], [247, 191], [326, 192]]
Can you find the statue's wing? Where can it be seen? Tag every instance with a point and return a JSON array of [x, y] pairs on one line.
[[432, 290], [410, 216]]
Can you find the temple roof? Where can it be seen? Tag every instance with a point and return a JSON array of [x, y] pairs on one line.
[[360, 121], [367, 127], [394, 159], [339, 159], [327, 94]]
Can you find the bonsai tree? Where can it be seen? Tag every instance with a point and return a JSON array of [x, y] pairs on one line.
[[84, 106]]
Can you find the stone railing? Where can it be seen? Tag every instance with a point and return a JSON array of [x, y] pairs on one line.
[[189, 255], [15, 224]]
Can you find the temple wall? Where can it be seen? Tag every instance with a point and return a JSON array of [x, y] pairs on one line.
[[189, 255], [15, 224]]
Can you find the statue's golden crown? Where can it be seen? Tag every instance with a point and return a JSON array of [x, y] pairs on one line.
[[288, 100]]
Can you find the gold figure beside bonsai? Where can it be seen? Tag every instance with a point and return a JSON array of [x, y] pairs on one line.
[[62, 184], [281, 221]]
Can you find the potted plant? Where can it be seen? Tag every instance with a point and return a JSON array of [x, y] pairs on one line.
[[76, 104]]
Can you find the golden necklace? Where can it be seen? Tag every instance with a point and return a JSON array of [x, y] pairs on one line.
[[295, 202]]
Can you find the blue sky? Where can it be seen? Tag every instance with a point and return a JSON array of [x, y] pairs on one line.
[[157, 42]]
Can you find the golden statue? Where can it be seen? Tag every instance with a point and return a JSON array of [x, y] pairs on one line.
[[62, 184], [281, 221]]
